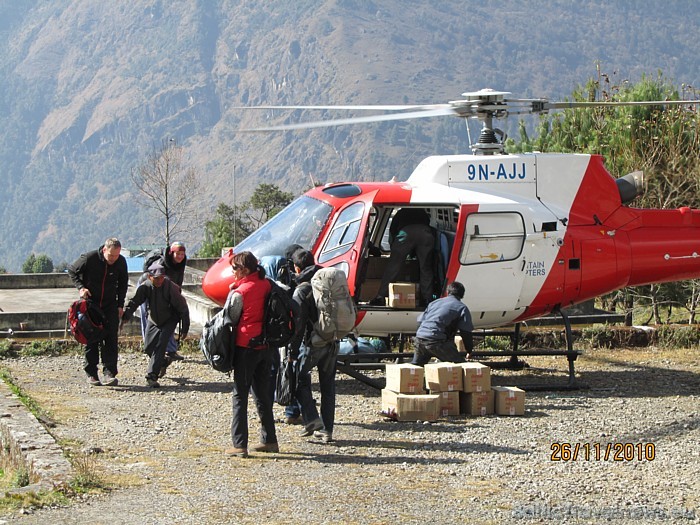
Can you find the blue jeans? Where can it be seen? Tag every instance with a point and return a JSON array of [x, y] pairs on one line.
[[324, 358]]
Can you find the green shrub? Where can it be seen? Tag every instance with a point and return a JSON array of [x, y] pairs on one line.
[[599, 336], [678, 336]]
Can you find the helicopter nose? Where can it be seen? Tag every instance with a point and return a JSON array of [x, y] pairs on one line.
[[216, 281]]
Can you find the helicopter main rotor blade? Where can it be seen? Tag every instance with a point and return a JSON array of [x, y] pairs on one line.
[[377, 107], [438, 112], [571, 105]]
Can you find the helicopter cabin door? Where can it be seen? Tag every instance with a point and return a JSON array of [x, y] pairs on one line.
[[491, 261], [345, 241]]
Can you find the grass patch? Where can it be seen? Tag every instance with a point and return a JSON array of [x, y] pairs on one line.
[[13, 477], [13, 502], [8, 349], [87, 478], [25, 398]]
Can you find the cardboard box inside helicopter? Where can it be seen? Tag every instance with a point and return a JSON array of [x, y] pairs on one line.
[[376, 267]]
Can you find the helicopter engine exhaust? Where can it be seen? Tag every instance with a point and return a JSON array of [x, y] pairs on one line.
[[630, 186]]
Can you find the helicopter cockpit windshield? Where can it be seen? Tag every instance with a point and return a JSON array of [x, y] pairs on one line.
[[299, 223]]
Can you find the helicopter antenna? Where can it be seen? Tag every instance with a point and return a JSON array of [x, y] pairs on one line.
[[469, 133]]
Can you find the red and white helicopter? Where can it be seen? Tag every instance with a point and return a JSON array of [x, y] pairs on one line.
[[526, 234]]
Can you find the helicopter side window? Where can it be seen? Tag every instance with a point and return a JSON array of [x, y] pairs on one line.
[[493, 237], [344, 233]]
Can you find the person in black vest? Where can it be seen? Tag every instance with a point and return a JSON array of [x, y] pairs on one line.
[[102, 276], [410, 233], [167, 307]]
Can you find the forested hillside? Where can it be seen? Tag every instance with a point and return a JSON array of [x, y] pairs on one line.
[[88, 88]]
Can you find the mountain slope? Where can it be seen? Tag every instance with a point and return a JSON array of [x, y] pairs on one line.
[[89, 88]]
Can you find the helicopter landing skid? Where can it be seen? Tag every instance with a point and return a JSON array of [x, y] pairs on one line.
[[353, 366]]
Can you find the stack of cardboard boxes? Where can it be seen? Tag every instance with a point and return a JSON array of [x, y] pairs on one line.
[[404, 397], [455, 388], [445, 380], [476, 398]]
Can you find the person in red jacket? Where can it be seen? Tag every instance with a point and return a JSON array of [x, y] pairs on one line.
[[251, 363]]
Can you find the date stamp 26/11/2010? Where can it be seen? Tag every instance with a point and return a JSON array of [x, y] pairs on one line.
[[602, 452]]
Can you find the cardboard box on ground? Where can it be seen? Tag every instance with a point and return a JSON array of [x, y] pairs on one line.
[[477, 377], [443, 377], [476, 403], [463, 388], [405, 378], [410, 407], [509, 401]]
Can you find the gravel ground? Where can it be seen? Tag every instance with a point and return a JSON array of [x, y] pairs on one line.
[[162, 450]]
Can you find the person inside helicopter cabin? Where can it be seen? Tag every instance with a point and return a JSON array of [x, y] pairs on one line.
[[410, 233], [439, 324]]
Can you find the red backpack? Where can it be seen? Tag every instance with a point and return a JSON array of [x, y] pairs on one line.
[[86, 321]]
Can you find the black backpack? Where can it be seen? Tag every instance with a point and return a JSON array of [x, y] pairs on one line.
[[218, 341], [279, 319], [157, 254]]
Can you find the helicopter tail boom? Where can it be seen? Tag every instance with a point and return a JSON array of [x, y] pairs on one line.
[[666, 247]]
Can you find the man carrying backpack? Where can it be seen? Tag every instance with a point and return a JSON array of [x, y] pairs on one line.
[[102, 276], [323, 357], [167, 307], [174, 260]]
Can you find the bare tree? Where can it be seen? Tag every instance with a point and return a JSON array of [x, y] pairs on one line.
[[169, 187]]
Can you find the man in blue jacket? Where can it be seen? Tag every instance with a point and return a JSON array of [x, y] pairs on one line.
[[439, 324], [101, 275]]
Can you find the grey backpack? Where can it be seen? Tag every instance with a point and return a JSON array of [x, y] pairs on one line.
[[336, 309]]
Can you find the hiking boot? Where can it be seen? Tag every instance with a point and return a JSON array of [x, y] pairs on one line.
[[324, 435], [108, 379], [174, 356], [294, 420], [93, 380], [237, 452], [152, 382], [312, 427], [265, 447], [167, 361]]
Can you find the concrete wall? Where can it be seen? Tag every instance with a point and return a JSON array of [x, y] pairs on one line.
[[15, 281]]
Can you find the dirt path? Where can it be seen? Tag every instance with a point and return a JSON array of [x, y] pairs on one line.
[[162, 450]]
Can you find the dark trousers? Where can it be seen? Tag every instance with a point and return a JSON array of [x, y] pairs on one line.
[[324, 358], [108, 346], [445, 351], [252, 371], [418, 239], [157, 339]]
